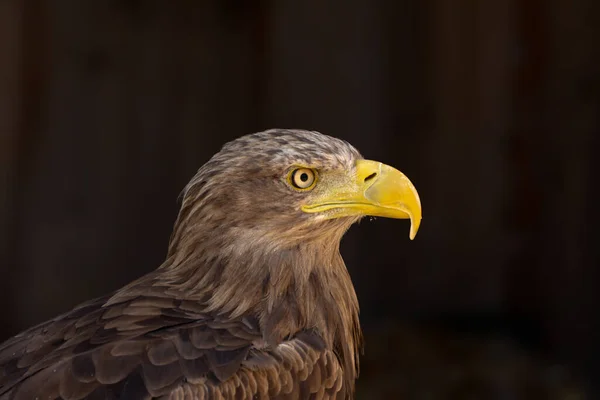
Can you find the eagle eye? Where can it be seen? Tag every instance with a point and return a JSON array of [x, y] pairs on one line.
[[303, 178]]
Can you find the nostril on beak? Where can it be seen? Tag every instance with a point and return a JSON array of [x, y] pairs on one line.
[[370, 177]]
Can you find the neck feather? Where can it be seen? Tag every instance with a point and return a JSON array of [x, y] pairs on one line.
[[287, 290]]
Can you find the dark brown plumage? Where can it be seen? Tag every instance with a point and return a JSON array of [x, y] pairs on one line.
[[253, 300]]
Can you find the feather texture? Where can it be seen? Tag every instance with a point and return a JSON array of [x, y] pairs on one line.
[[197, 357], [253, 302]]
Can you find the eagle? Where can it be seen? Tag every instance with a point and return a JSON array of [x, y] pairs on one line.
[[253, 300]]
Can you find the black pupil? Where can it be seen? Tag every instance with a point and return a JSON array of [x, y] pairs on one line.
[[304, 177]]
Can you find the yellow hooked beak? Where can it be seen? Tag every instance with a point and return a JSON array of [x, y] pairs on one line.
[[376, 190]]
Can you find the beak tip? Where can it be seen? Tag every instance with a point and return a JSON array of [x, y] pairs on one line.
[[414, 228]]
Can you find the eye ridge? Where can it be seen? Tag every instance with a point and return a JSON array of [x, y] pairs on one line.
[[303, 178]]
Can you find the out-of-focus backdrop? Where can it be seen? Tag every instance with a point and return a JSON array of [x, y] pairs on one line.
[[492, 108]]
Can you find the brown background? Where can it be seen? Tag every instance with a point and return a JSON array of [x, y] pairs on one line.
[[107, 108]]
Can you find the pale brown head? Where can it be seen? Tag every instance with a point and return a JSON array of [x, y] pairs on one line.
[[279, 188]]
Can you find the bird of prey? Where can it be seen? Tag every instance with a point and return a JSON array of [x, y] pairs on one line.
[[253, 300]]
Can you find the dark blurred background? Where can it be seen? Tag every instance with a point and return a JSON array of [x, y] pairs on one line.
[[107, 108]]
